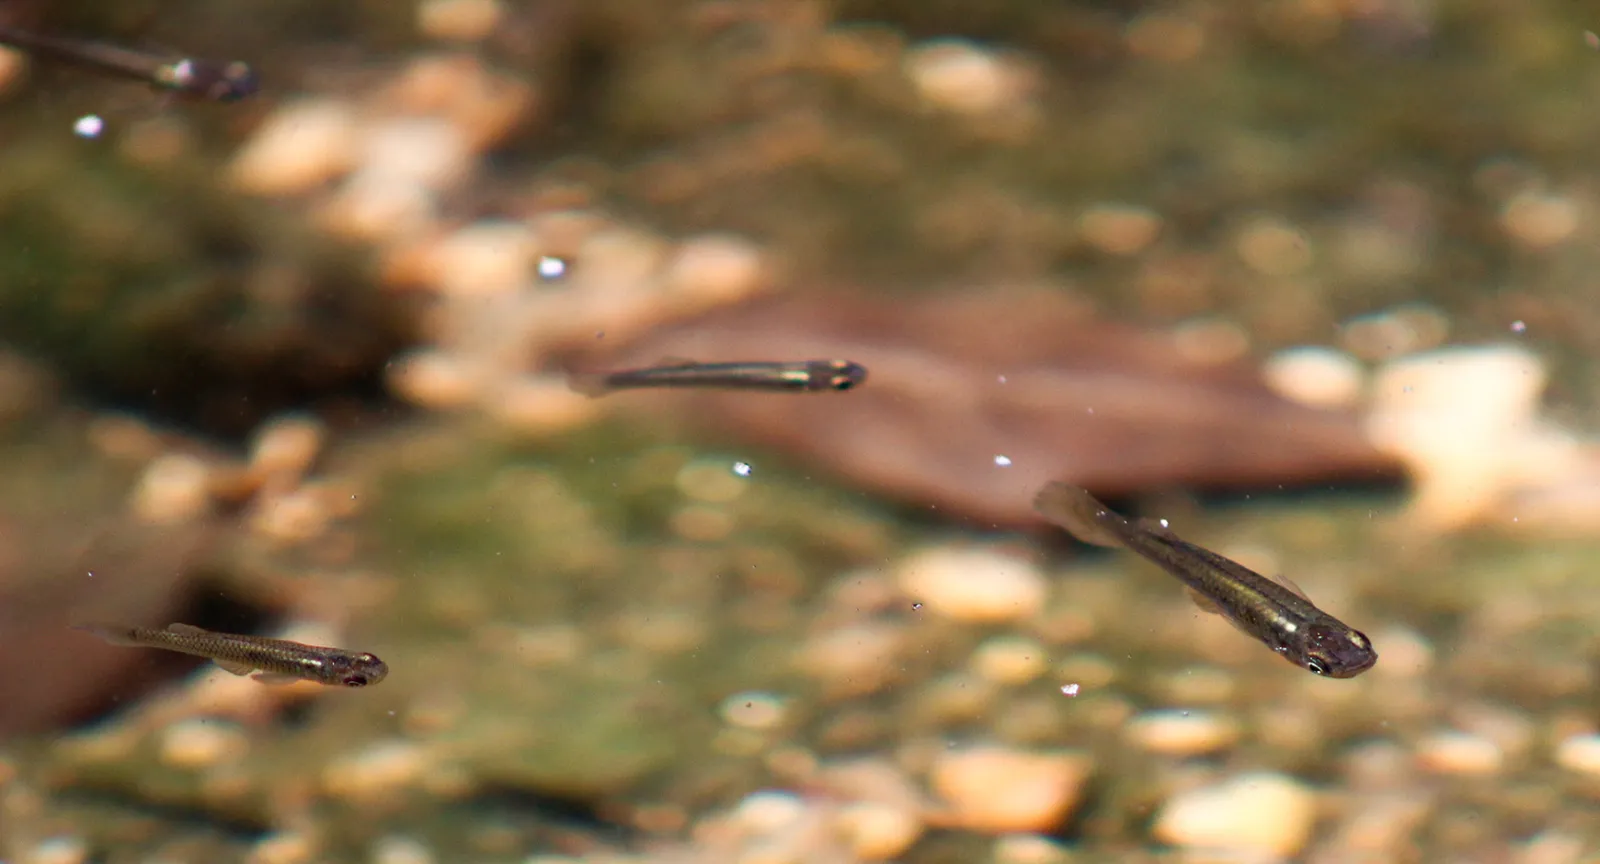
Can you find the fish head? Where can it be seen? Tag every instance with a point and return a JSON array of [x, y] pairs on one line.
[[1336, 651], [355, 670], [840, 374]]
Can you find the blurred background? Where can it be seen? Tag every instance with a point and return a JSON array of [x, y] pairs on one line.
[[1313, 280]]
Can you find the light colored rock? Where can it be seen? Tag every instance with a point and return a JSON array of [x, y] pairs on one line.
[[972, 583], [173, 489], [1319, 377], [1465, 421], [1010, 660], [1459, 753], [303, 145], [1580, 753], [962, 78], [202, 742], [999, 790], [854, 660], [1253, 814], [459, 20], [877, 831], [1182, 733]]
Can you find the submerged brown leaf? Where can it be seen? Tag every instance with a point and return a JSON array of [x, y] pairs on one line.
[[975, 400]]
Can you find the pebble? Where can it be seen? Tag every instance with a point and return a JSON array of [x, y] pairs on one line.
[[435, 380], [202, 742], [854, 660], [715, 269], [173, 489], [998, 790], [1030, 849], [1459, 753], [301, 146], [1273, 247], [1010, 660], [1261, 814], [878, 832], [1182, 733], [973, 584], [1315, 376], [377, 771], [1539, 221], [400, 850], [459, 20], [1580, 753], [286, 447], [1465, 421], [538, 406], [1119, 229], [291, 518], [283, 847], [57, 850], [486, 257], [957, 76], [371, 207], [753, 710], [431, 152]]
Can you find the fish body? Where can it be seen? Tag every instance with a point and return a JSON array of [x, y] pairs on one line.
[[186, 76], [276, 659], [800, 377], [1277, 614]]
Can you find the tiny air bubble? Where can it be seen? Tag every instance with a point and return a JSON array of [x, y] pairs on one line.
[[89, 126], [551, 267]]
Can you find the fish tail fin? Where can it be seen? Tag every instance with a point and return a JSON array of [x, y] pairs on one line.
[[1081, 514], [115, 634]]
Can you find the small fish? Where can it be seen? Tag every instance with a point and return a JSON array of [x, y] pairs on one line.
[[800, 377], [1275, 613], [186, 76], [279, 660]]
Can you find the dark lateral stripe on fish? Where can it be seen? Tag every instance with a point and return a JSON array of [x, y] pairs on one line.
[[808, 376], [1275, 613], [277, 659]]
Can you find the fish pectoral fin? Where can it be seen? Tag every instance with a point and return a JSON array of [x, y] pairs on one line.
[[1205, 603], [274, 678], [185, 629], [236, 667], [1288, 583]]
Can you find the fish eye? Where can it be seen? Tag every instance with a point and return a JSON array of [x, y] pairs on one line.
[[355, 680], [843, 382], [1316, 666]]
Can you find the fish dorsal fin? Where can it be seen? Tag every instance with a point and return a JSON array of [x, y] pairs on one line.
[[185, 630], [1288, 583], [236, 667], [274, 678]]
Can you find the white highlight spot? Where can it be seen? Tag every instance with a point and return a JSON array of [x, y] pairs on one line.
[[89, 126], [1002, 461], [742, 469], [552, 267], [1069, 690], [1518, 327]]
